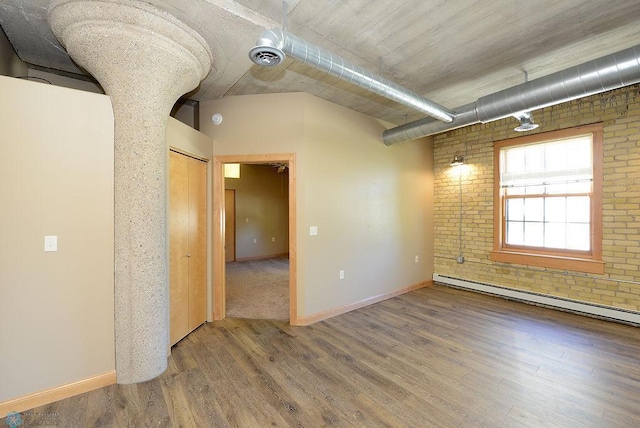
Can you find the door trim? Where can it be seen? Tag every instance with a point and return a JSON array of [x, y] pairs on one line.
[[219, 304], [226, 243]]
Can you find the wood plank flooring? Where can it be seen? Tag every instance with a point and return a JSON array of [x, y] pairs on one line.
[[436, 357]]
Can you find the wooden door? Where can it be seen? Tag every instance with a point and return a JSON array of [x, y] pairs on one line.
[[178, 246], [197, 243], [230, 225], [187, 244]]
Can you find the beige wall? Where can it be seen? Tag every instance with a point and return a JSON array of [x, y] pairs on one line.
[[56, 170], [184, 113], [371, 203], [65, 82], [262, 213], [10, 64], [619, 111]]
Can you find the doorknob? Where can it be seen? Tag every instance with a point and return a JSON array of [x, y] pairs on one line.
[[188, 254]]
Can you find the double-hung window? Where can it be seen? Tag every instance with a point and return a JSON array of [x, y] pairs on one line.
[[548, 200]]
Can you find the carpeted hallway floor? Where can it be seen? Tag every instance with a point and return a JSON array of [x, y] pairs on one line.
[[258, 289]]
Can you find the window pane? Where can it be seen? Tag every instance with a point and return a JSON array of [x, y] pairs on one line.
[[556, 156], [518, 190], [580, 153], [534, 158], [533, 209], [515, 210], [548, 163], [578, 209], [554, 189], [515, 160], [555, 235], [515, 233], [533, 234], [554, 210], [578, 237], [534, 190], [581, 187]]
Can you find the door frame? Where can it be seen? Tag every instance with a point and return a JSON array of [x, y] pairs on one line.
[[219, 281], [233, 259]]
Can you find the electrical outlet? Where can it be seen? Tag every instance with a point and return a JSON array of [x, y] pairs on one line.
[[416, 259], [460, 259], [273, 239], [313, 230], [255, 241], [341, 274]]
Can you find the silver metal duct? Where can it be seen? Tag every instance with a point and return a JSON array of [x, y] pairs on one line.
[[600, 75], [274, 44]]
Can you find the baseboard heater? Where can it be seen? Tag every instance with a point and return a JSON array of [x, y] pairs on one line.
[[569, 305]]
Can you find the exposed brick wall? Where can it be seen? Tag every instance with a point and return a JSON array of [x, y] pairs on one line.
[[619, 111]]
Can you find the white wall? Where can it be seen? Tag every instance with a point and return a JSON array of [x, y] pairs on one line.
[[65, 82], [56, 175], [372, 203]]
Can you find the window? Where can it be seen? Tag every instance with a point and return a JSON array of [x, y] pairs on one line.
[[548, 200]]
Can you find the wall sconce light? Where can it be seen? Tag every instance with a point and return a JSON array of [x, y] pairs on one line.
[[231, 170], [457, 160]]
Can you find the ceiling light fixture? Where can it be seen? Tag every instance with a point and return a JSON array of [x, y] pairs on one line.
[[457, 160], [525, 117], [526, 122]]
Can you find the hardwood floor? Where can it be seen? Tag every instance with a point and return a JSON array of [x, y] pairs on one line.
[[436, 357]]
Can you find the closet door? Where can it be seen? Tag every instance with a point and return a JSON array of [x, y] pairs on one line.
[[188, 244], [178, 246], [197, 243]]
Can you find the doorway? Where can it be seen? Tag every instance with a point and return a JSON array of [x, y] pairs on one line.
[[219, 287]]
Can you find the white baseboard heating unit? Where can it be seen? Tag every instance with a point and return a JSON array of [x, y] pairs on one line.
[[589, 309]]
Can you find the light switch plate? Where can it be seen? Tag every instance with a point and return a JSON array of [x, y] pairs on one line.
[[51, 243]]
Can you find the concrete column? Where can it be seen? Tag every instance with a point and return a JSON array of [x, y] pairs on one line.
[[145, 59]]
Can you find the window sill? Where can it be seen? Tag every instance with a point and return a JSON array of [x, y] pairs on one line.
[[549, 261]]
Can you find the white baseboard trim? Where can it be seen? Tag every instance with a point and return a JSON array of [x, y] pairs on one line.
[[590, 309], [41, 398], [321, 316]]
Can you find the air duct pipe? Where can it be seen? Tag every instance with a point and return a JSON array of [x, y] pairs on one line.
[[600, 75], [274, 44]]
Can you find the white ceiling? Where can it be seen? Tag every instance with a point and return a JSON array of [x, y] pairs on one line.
[[450, 51]]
